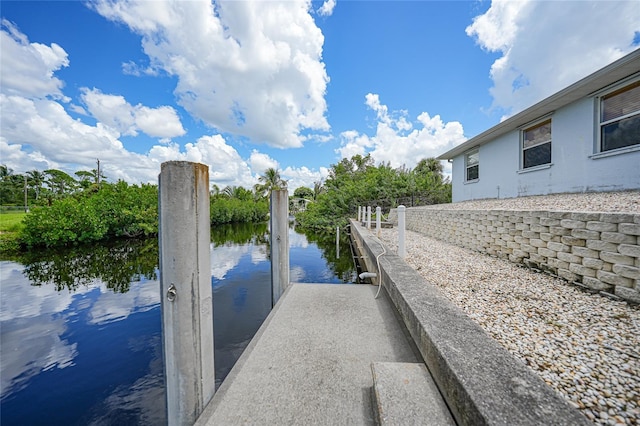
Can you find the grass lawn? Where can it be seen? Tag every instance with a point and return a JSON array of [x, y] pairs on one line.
[[11, 221]]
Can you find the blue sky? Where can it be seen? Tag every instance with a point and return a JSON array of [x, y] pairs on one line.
[[243, 86]]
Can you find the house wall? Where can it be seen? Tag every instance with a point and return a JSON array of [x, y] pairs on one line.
[[573, 167], [598, 250]]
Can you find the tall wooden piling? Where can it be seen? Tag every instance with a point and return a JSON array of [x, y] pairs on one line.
[[279, 210], [185, 289]]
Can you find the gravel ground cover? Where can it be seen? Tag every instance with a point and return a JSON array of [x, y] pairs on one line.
[[620, 201], [586, 346]]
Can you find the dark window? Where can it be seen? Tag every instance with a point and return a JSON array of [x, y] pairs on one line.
[[620, 118], [472, 165], [537, 155]]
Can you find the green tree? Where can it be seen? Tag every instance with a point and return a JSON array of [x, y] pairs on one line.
[[318, 189], [237, 192], [429, 165], [5, 171], [85, 178], [114, 210], [59, 183], [10, 186], [271, 180], [35, 179], [359, 182], [236, 204], [304, 192], [88, 178]]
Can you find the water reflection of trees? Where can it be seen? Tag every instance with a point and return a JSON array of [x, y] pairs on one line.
[[343, 266], [120, 263], [117, 265], [240, 233], [258, 234]]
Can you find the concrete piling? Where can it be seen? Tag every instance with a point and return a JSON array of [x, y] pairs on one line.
[[185, 289], [401, 231], [279, 243]]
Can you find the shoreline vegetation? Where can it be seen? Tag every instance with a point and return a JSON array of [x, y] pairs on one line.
[[111, 212], [65, 211]]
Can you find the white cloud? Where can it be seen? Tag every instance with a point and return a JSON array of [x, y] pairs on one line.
[[249, 68], [327, 8], [131, 68], [299, 241], [26, 69], [303, 176], [227, 168], [31, 334], [110, 306], [40, 134], [260, 162], [400, 141], [497, 28], [548, 45], [295, 176], [225, 258], [116, 112], [31, 345], [20, 160], [162, 122]]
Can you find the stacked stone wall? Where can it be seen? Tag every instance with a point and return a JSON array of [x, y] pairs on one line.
[[598, 250]]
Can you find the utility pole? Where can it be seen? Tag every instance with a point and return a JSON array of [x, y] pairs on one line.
[[98, 172]]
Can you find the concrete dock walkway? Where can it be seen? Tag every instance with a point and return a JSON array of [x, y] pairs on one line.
[[310, 362]]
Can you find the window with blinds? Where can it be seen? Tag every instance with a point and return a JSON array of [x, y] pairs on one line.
[[620, 118], [536, 145]]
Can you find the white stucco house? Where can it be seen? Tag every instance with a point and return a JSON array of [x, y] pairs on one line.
[[583, 138]]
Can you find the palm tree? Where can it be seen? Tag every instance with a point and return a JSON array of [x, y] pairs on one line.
[[271, 180], [318, 188], [36, 179], [430, 164], [5, 171], [229, 191], [8, 187]]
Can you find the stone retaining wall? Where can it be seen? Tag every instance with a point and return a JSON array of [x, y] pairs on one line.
[[598, 250]]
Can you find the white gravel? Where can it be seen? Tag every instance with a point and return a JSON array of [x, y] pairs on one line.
[[585, 346], [620, 201]]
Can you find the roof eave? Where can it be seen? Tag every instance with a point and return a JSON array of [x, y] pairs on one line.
[[612, 73]]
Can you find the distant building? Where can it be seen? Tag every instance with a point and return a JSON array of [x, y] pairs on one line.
[[585, 138]]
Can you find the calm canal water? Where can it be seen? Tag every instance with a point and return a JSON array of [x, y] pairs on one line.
[[80, 331]]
